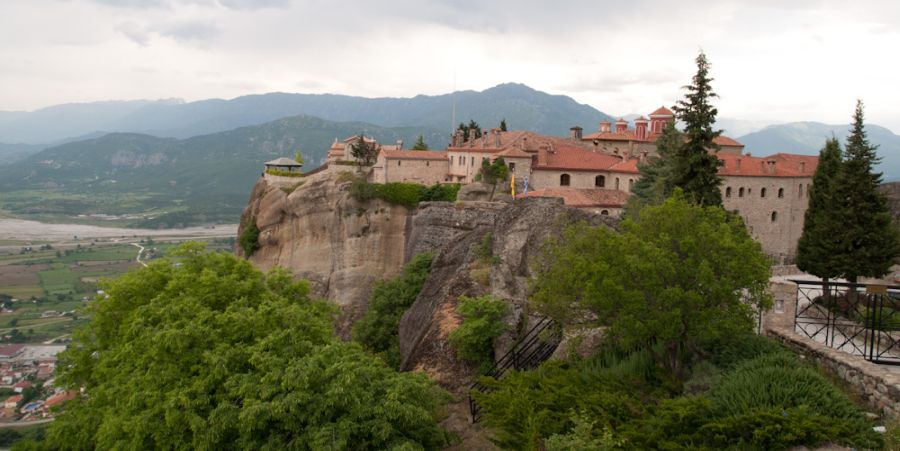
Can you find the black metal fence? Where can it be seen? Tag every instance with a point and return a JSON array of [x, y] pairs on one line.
[[532, 349], [859, 319]]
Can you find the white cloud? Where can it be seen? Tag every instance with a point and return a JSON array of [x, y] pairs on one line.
[[772, 60]]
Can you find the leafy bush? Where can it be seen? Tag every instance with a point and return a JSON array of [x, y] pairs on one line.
[[474, 338], [213, 354], [249, 239], [281, 173], [494, 172], [406, 194], [377, 331], [734, 350]]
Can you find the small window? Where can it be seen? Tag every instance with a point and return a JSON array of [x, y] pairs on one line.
[[741, 192], [600, 181], [779, 306], [762, 192], [728, 192], [512, 167], [451, 160], [564, 180], [630, 184], [800, 190], [473, 161], [605, 212], [617, 183], [398, 162], [426, 163], [780, 193], [774, 216]]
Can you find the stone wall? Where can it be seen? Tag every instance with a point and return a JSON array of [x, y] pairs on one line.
[[582, 179], [425, 172], [778, 236], [877, 385]]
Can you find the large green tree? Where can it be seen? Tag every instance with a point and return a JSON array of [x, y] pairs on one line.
[[818, 251], [655, 184], [869, 241], [695, 166], [681, 277], [364, 151], [210, 353]]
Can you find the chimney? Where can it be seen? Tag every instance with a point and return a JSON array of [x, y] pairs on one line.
[[399, 144], [525, 143], [621, 125], [458, 138], [738, 163], [604, 126], [771, 166], [542, 156], [802, 167], [496, 133], [575, 133], [640, 128]]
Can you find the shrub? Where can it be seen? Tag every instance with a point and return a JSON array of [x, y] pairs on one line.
[[441, 192], [474, 338], [407, 194], [377, 331], [249, 239], [281, 173]]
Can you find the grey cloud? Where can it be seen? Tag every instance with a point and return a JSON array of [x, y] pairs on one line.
[[190, 31], [134, 33], [230, 4]]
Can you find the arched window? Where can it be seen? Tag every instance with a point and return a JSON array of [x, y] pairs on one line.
[[728, 192], [600, 182], [617, 183], [605, 212], [630, 184], [512, 167], [741, 192], [780, 193], [774, 216], [564, 180], [398, 162], [762, 192]]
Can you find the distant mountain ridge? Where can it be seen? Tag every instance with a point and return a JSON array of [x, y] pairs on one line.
[[200, 179], [808, 138], [521, 106]]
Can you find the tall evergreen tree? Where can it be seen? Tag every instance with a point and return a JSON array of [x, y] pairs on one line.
[[474, 129], [869, 239], [818, 250], [655, 184], [695, 168], [503, 125], [420, 144]]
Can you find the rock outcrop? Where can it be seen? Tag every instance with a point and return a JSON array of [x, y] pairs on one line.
[[343, 246]]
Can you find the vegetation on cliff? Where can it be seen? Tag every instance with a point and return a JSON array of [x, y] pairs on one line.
[[377, 330], [213, 354], [482, 322], [406, 194], [249, 239]]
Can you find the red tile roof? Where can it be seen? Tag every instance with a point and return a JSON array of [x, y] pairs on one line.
[[785, 165], [10, 350], [14, 399], [22, 384], [583, 197], [662, 111], [414, 154], [60, 398]]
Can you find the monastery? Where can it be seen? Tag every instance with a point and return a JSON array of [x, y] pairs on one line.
[[597, 171]]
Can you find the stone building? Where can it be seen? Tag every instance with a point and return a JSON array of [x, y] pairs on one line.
[[414, 166], [341, 151]]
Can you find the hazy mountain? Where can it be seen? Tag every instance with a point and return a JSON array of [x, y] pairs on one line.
[[197, 179], [523, 108], [11, 153], [809, 137]]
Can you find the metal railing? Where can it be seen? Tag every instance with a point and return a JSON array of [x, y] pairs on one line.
[[859, 319], [534, 348]]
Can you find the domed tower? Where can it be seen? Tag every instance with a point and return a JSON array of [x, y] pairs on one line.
[[659, 118]]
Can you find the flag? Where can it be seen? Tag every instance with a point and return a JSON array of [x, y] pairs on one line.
[[525, 185], [512, 185]]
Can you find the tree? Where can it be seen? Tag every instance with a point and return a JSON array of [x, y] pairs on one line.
[[249, 238], [503, 125], [868, 237], [213, 354], [378, 330], [695, 166], [420, 144], [474, 129], [819, 246], [298, 157], [655, 184], [675, 281], [364, 151], [494, 172]]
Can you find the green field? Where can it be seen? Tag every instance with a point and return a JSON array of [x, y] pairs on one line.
[[64, 280]]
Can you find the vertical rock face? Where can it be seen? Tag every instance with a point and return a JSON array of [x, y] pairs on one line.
[[320, 233]]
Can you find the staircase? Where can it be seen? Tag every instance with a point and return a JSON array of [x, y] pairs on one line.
[[529, 352]]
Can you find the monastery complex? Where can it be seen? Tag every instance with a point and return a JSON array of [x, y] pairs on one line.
[[597, 171]]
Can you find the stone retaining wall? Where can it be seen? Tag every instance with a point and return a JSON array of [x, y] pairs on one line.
[[877, 385]]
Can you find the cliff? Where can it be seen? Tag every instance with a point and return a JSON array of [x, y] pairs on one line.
[[343, 246]]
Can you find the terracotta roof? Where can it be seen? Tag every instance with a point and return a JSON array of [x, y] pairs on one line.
[[662, 111], [583, 197], [22, 384], [621, 120], [512, 152], [627, 135], [10, 350], [14, 398], [414, 154], [785, 165], [726, 141], [641, 119], [60, 398]]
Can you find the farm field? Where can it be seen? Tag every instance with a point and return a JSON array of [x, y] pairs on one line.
[[43, 288]]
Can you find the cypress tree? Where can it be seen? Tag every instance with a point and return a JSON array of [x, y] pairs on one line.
[[420, 144], [818, 250], [503, 125], [695, 169], [869, 239]]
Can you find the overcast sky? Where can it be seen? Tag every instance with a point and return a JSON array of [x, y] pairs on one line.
[[772, 60]]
